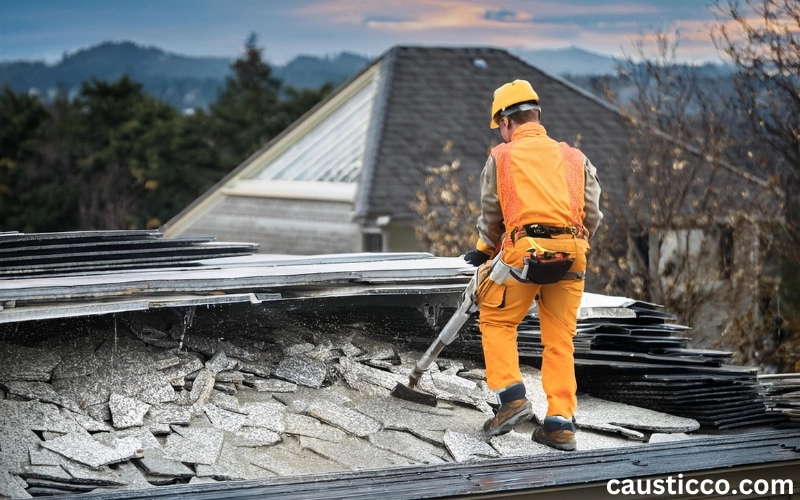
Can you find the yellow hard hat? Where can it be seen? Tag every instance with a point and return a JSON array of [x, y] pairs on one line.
[[517, 92]]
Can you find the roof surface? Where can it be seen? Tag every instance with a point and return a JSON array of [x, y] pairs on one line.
[[430, 107], [438, 95], [287, 384]]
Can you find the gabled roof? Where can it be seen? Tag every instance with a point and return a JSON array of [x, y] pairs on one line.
[[436, 95], [375, 138], [421, 98]]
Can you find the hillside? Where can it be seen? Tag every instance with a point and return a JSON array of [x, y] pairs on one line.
[[183, 81], [192, 82], [568, 61]]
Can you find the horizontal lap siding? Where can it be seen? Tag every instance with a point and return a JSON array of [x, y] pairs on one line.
[[300, 227]]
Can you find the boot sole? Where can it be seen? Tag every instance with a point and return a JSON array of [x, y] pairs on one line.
[[558, 446], [512, 422]]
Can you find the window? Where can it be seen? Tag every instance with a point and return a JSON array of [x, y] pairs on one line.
[[373, 242]]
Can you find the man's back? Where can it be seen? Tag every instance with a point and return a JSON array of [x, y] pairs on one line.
[[540, 181]]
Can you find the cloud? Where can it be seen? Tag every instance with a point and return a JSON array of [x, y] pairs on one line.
[[624, 25], [506, 16], [436, 15], [323, 26], [386, 19]]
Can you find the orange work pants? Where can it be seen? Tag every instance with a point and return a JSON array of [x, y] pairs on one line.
[[502, 308]]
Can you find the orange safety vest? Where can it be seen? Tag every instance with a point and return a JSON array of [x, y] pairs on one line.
[[539, 181]]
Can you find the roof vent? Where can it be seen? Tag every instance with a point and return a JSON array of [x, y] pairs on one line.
[[480, 63]]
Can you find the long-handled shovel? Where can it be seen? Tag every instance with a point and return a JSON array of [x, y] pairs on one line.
[[446, 336]]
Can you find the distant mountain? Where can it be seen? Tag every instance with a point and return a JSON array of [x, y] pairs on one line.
[[183, 81], [192, 82], [568, 61], [311, 72], [595, 72]]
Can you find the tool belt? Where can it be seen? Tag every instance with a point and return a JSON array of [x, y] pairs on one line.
[[542, 270], [546, 269], [543, 231], [543, 266]]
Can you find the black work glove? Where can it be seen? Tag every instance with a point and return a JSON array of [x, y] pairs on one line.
[[476, 257]]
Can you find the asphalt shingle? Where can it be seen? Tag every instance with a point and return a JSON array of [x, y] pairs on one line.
[[438, 96]]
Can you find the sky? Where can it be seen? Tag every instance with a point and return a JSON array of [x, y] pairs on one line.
[[44, 30]]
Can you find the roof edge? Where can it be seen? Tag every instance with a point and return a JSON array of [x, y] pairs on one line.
[[375, 134]]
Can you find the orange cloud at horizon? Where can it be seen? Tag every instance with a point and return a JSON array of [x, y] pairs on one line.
[[513, 23]]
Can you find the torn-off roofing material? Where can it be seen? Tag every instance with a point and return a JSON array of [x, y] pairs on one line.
[[347, 425], [294, 383]]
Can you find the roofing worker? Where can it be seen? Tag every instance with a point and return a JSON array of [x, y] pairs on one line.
[[540, 204]]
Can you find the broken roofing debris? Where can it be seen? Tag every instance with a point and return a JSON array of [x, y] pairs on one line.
[[164, 431], [783, 394], [290, 370]]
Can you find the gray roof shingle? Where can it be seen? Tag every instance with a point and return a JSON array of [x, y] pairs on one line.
[[436, 95]]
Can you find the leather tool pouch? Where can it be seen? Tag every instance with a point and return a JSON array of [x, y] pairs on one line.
[[546, 271]]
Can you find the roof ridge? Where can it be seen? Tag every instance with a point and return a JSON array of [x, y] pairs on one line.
[[454, 48]]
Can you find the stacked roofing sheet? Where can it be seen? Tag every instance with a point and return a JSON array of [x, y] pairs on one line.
[[783, 394], [628, 351], [37, 254]]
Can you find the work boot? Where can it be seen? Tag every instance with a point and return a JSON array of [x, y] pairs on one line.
[[556, 432], [507, 416]]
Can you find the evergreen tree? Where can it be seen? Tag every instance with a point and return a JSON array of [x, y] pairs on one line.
[[113, 130], [36, 192], [248, 111], [117, 158], [182, 163]]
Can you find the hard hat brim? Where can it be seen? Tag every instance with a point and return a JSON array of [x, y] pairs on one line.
[[523, 106]]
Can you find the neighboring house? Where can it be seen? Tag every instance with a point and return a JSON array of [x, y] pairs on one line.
[[342, 178]]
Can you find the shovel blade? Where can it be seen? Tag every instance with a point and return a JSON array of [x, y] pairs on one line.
[[402, 391]]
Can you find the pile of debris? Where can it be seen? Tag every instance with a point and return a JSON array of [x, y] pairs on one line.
[[106, 408], [257, 366]]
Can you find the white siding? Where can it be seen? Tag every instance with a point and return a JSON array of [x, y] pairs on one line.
[[299, 227]]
